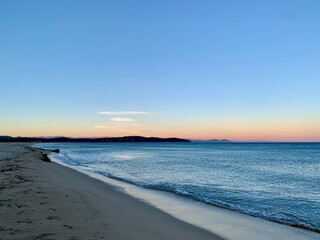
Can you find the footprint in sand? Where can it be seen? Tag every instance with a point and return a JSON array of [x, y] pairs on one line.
[[24, 221], [21, 205], [15, 232], [53, 218], [44, 236], [67, 226], [74, 238]]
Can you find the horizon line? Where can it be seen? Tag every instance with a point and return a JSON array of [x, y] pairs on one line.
[[190, 139]]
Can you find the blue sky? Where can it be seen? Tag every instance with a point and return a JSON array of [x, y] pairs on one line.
[[200, 69]]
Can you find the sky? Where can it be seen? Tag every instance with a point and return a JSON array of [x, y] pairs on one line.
[[242, 70]]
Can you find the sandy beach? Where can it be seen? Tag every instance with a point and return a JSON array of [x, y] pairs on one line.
[[44, 200]]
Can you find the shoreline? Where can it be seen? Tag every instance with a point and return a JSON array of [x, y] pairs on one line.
[[44, 200], [228, 223], [215, 205]]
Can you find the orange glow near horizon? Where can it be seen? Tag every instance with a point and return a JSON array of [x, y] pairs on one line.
[[244, 131]]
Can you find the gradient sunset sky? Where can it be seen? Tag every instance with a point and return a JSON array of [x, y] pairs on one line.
[[242, 70]]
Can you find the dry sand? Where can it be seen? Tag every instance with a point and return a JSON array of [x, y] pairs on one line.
[[41, 200]]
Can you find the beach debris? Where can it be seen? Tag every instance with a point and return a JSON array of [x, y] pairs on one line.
[[45, 157]]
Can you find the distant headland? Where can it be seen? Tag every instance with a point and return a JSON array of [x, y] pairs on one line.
[[106, 139]]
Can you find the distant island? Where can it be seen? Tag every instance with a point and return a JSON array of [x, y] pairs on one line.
[[107, 139]]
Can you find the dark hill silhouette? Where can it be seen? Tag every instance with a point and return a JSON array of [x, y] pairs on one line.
[[107, 139]]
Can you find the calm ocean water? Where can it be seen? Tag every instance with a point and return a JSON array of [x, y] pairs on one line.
[[276, 181]]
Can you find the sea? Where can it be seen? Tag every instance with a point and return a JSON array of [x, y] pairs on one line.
[[275, 181]]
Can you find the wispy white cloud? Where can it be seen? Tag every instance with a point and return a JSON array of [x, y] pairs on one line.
[[124, 113], [122, 119]]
